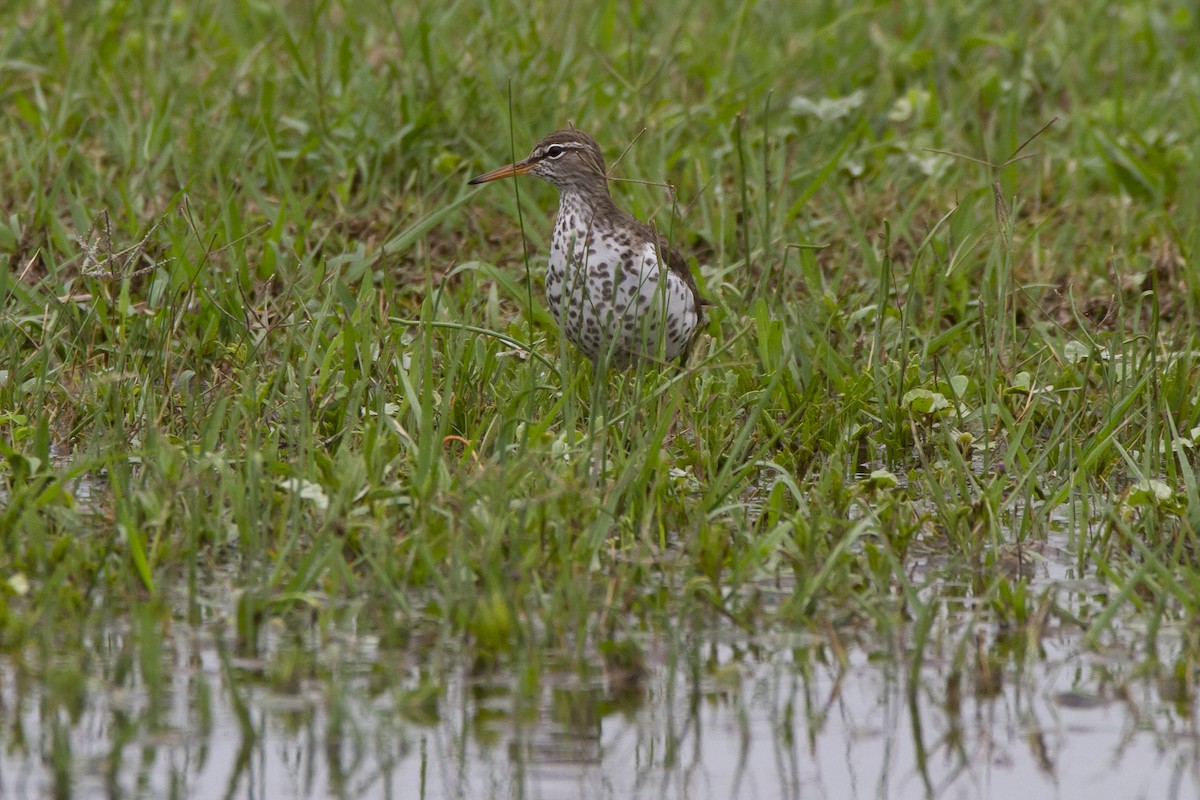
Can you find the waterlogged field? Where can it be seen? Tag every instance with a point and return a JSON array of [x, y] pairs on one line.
[[304, 495]]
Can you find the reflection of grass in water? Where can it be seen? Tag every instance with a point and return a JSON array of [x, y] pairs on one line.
[[284, 356]]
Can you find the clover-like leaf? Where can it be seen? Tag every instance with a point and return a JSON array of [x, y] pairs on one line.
[[923, 401], [882, 479], [1148, 492]]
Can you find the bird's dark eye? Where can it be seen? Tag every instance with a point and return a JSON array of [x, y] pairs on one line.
[[554, 151]]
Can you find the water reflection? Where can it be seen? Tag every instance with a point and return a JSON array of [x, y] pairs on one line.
[[707, 720]]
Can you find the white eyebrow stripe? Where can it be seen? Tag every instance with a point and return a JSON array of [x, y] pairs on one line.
[[564, 145]]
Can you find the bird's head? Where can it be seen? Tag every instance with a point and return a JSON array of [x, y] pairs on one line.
[[570, 159]]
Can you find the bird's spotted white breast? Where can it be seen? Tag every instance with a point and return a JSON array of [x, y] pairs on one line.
[[612, 293]]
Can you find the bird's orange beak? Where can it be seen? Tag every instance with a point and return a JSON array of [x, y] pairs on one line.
[[510, 171]]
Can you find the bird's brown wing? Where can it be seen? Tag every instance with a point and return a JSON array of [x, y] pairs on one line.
[[677, 264]]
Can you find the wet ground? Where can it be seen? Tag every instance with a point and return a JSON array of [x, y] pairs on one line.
[[718, 714]]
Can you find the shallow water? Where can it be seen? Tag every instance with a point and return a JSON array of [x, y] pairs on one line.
[[719, 714], [715, 717]]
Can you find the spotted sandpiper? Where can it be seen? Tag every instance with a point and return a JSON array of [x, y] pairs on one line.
[[618, 291]]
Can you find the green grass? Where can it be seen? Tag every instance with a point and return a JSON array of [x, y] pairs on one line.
[[306, 378]]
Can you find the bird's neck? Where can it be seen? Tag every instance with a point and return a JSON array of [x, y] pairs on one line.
[[589, 205]]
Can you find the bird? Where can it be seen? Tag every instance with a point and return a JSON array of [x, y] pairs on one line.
[[618, 291]]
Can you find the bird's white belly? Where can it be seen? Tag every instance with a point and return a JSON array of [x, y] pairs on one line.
[[617, 300]]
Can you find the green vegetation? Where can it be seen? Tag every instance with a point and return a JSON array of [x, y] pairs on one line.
[[264, 356]]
